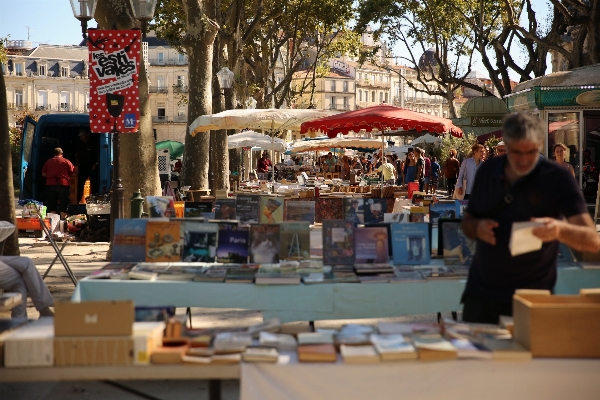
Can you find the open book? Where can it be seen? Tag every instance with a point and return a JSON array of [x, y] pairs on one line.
[[522, 240]]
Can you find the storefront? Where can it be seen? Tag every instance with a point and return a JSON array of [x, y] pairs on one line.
[[569, 104]]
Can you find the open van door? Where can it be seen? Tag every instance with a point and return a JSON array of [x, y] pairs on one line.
[[26, 174]]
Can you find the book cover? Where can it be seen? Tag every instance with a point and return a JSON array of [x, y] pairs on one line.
[[374, 210], [264, 243], [354, 210], [294, 241], [410, 243], [194, 209], [456, 247], [225, 208], [338, 242], [271, 209], [419, 214], [274, 274], [393, 347], [371, 244], [299, 211], [441, 210], [212, 274], [232, 244], [200, 244], [129, 243], [402, 218], [329, 208], [241, 274], [163, 241], [365, 354], [460, 207], [161, 206], [247, 208], [317, 353]]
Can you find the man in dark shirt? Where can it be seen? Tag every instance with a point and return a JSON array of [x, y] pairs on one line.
[[87, 157], [57, 172], [520, 186], [264, 164]]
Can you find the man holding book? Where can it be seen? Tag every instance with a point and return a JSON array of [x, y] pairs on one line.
[[516, 187]]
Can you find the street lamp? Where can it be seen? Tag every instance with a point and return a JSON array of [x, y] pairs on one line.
[[84, 11], [143, 11], [225, 77]]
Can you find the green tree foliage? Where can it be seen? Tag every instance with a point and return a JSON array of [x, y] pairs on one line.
[[462, 145]]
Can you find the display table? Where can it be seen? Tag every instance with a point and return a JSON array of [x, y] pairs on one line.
[[309, 302], [546, 379]]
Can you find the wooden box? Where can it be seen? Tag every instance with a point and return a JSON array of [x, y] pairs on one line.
[[558, 326]]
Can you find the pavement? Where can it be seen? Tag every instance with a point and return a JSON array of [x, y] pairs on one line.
[[85, 257]]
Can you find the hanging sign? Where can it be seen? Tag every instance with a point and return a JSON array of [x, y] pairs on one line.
[[114, 63]]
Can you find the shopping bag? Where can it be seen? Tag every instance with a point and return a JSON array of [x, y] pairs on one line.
[[455, 195]]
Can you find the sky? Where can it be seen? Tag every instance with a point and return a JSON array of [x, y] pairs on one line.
[[52, 22]]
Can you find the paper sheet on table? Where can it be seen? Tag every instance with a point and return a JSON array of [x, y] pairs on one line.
[[522, 240]]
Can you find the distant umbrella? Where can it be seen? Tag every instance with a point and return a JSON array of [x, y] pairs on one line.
[[175, 148]]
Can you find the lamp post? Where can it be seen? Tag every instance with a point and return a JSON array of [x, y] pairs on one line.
[[84, 11], [143, 11], [225, 77]]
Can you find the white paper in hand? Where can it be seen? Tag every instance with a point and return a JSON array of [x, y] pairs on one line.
[[522, 240]]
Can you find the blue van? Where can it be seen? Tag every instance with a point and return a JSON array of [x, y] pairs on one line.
[[58, 130]]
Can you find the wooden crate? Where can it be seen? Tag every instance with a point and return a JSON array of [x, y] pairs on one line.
[[558, 326]]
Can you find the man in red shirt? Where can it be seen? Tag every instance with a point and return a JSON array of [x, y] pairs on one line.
[[58, 171], [264, 163]]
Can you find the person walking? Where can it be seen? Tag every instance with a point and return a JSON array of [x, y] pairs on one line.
[[468, 169], [410, 167], [559, 156], [435, 174], [58, 171], [450, 171]]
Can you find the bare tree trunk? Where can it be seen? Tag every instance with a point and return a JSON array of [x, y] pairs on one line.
[[138, 163], [7, 194], [198, 43]]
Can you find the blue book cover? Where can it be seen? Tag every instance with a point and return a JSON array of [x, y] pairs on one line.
[[129, 244], [232, 243], [460, 207], [247, 208], [354, 210], [458, 249], [410, 243], [200, 243], [441, 210], [374, 209]]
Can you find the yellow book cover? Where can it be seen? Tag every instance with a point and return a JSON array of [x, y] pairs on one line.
[[163, 241]]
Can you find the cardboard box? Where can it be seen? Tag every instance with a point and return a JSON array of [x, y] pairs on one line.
[[94, 318], [31, 345], [558, 326], [147, 336], [88, 351]]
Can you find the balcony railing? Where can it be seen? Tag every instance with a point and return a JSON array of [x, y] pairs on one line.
[[180, 118], [18, 106], [43, 107], [180, 89], [66, 107], [158, 89], [166, 61], [163, 119]]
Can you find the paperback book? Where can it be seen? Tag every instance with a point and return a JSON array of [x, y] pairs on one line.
[[443, 209], [195, 209], [460, 207], [160, 206], [299, 211], [274, 274], [271, 209], [163, 241], [374, 210], [232, 244], [402, 218], [200, 244], [419, 214], [410, 243], [247, 208], [225, 208], [294, 241], [456, 247], [338, 242], [129, 243], [371, 244], [241, 274], [264, 243], [354, 210], [393, 347]]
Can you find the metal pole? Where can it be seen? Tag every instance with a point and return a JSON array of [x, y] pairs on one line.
[[117, 207]]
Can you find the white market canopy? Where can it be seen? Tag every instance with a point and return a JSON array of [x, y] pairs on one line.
[[256, 140], [270, 119], [427, 138], [340, 143]]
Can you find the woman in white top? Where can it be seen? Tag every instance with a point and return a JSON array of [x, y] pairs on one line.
[[468, 169], [559, 156]]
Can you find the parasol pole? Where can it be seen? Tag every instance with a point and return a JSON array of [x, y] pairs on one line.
[[382, 156]]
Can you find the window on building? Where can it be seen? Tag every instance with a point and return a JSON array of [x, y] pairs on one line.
[[161, 111], [64, 100], [333, 102], [373, 96], [18, 97], [385, 97], [42, 100], [360, 75], [160, 81], [161, 57], [42, 69], [346, 103], [18, 69], [345, 86], [86, 99], [181, 58], [180, 80], [64, 71], [360, 95], [181, 112], [333, 86], [3, 68], [380, 97]]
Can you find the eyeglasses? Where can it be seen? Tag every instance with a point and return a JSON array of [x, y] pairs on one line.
[[500, 151]]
